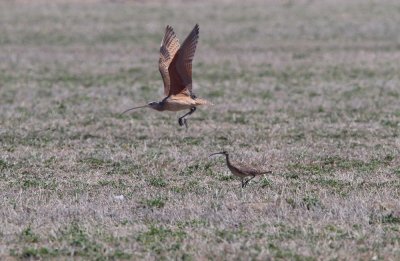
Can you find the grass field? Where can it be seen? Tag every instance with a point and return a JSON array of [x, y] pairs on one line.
[[307, 89]]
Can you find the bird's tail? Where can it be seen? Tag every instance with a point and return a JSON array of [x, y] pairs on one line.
[[200, 101]]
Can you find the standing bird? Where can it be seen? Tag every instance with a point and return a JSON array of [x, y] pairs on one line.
[[242, 171], [175, 65]]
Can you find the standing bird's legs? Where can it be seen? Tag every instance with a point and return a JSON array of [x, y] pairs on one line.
[[182, 120], [247, 181]]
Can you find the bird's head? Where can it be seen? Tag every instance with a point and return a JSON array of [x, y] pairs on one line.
[[222, 153], [155, 105]]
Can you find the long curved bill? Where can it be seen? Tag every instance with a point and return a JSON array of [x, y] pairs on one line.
[[134, 108], [216, 153]]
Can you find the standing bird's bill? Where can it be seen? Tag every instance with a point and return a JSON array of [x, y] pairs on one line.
[[175, 66]]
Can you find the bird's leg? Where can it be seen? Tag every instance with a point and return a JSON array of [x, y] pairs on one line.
[[182, 120], [242, 183]]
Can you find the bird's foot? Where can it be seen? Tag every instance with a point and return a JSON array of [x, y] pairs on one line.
[[182, 121]]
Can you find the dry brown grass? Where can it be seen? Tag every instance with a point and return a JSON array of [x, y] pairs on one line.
[[311, 88]]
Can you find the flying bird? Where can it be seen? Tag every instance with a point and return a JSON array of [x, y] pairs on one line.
[[175, 66], [240, 170]]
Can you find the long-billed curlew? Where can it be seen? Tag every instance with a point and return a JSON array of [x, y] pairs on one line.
[[242, 171], [175, 65]]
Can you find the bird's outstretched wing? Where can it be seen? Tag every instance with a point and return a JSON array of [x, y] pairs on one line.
[[168, 49], [180, 69]]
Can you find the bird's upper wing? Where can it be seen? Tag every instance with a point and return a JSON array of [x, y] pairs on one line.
[[180, 69], [168, 49]]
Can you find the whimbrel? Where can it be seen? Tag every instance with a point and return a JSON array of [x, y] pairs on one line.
[[240, 170], [175, 66]]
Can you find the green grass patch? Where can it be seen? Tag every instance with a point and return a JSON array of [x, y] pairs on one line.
[[161, 240], [155, 202], [29, 236], [157, 182]]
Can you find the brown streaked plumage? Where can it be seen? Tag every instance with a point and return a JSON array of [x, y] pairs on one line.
[[240, 170], [175, 66]]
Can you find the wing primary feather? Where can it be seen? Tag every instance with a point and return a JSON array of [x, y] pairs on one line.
[[169, 47], [180, 69]]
